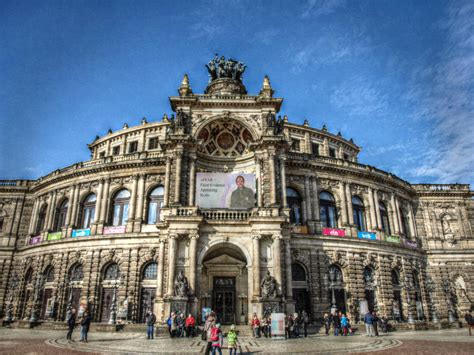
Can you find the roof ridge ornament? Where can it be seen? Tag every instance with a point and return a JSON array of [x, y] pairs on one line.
[[267, 90], [219, 68], [185, 88]]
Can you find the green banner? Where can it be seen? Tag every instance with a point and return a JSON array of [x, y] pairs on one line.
[[392, 239], [54, 236]]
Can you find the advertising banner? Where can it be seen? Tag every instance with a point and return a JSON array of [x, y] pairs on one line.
[[411, 244], [367, 235], [35, 240], [278, 325], [114, 230], [220, 190], [54, 236], [334, 232], [81, 233], [392, 239]]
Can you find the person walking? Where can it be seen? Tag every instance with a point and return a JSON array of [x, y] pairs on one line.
[[369, 324], [305, 320], [469, 321], [232, 340], [217, 339], [376, 323], [190, 324], [336, 323], [210, 323], [85, 324], [327, 323], [71, 323], [344, 324], [150, 320]]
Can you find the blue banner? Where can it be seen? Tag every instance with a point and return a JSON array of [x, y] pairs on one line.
[[81, 232], [367, 235]]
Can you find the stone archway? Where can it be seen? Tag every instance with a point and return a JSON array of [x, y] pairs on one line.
[[224, 283]]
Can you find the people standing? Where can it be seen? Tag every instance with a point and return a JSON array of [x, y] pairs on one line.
[[190, 324], [369, 324], [344, 324], [290, 327], [85, 324], [210, 323], [256, 326], [71, 323], [181, 321], [327, 323], [150, 320], [376, 323], [336, 323], [217, 339], [305, 320], [469, 321], [232, 340], [174, 325]]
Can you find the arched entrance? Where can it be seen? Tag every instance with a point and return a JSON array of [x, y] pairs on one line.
[[224, 283]]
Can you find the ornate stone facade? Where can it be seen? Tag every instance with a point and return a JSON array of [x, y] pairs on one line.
[[121, 233]]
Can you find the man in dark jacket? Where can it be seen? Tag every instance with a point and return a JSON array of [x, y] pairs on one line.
[[71, 323], [85, 324], [375, 323], [469, 321], [369, 324], [150, 320]]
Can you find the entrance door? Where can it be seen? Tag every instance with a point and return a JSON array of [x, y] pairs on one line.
[[302, 300], [224, 299], [47, 294], [76, 298], [370, 297], [147, 300], [107, 294]]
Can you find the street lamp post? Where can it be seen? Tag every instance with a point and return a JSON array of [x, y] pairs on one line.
[[113, 307], [35, 307], [408, 288], [11, 289], [431, 288], [447, 293]]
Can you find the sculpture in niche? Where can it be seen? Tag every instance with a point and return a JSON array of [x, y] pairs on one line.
[[181, 286], [268, 286], [448, 230]]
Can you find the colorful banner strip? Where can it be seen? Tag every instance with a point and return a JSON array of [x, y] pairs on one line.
[[367, 235], [114, 230], [334, 232], [81, 232], [54, 236]]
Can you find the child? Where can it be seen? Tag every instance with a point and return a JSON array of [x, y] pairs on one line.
[[232, 340], [217, 339]]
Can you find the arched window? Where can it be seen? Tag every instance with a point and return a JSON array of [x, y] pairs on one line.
[[405, 229], [88, 211], [149, 272], [155, 203], [76, 273], [29, 277], [335, 274], [395, 278], [327, 207], [120, 211], [112, 272], [416, 281], [368, 276], [49, 274], [358, 208], [41, 219], [298, 272], [294, 202], [384, 218], [61, 213]]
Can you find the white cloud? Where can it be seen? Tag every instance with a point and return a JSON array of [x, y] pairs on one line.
[[321, 7]]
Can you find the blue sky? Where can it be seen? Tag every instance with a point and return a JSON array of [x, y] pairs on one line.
[[396, 76]]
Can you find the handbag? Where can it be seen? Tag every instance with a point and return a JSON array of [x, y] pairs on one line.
[[204, 335]]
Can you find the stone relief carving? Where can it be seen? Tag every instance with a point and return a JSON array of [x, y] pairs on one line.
[[301, 256], [268, 286], [181, 286]]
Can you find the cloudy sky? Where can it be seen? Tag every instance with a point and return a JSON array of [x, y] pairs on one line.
[[396, 76]]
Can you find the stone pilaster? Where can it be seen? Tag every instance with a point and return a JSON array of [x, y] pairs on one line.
[[277, 261], [173, 249], [256, 265]]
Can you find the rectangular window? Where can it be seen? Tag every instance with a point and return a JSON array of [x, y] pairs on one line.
[[132, 147], [153, 143], [295, 145], [332, 152], [101, 154], [315, 148], [116, 150], [346, 156]]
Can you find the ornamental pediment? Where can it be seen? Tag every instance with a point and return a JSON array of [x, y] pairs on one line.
[[224, 259]]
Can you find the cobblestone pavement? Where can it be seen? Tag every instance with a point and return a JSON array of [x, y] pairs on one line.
[[22, 341]]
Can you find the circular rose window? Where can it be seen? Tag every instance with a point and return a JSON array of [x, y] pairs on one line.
[[225, 140]]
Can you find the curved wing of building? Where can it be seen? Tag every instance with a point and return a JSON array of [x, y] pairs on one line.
[[226, 205]]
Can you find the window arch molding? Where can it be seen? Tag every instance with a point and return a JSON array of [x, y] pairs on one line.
[[41, 218], [155, 195], [149, 271], [295, 202], [87, 209], [385, 216], [119, 205], [299, 272], [359, 211], [328, 209], [60, 214]]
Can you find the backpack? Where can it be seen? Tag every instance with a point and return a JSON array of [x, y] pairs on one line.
[[214, 334]]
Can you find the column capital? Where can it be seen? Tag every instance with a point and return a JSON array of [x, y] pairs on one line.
[[194, 236], [277, 237], [256, 237], [173, 236]]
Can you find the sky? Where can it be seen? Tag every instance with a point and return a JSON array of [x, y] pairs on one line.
[[396, 76]]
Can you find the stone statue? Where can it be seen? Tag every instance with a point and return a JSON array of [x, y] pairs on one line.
[[181, 286], [225, 68], [447, 229], [268, 286]]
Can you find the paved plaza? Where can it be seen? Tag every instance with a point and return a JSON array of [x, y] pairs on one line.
[[22, 341]]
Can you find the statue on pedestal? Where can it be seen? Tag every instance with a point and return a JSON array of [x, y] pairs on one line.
[[181, 286], [269, 286]]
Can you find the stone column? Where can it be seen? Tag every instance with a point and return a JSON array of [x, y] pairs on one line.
[[141, 198], [166, 196], [258, 172], [326, 146], [133, 199], [307, 198], [192, 179], [271, 162], [161, 260], [34, 216], [52, 209], [173, 246], [373, 214], [350, 211], [177, 186], [103, 202], [315, 200], [256, 265], [396, 226], [97, 201], [399, 218], [72, 203], [342, 193], [284, 202], [277, 262], [192, 262], [411, 224], [289, 279], [377, 209]]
